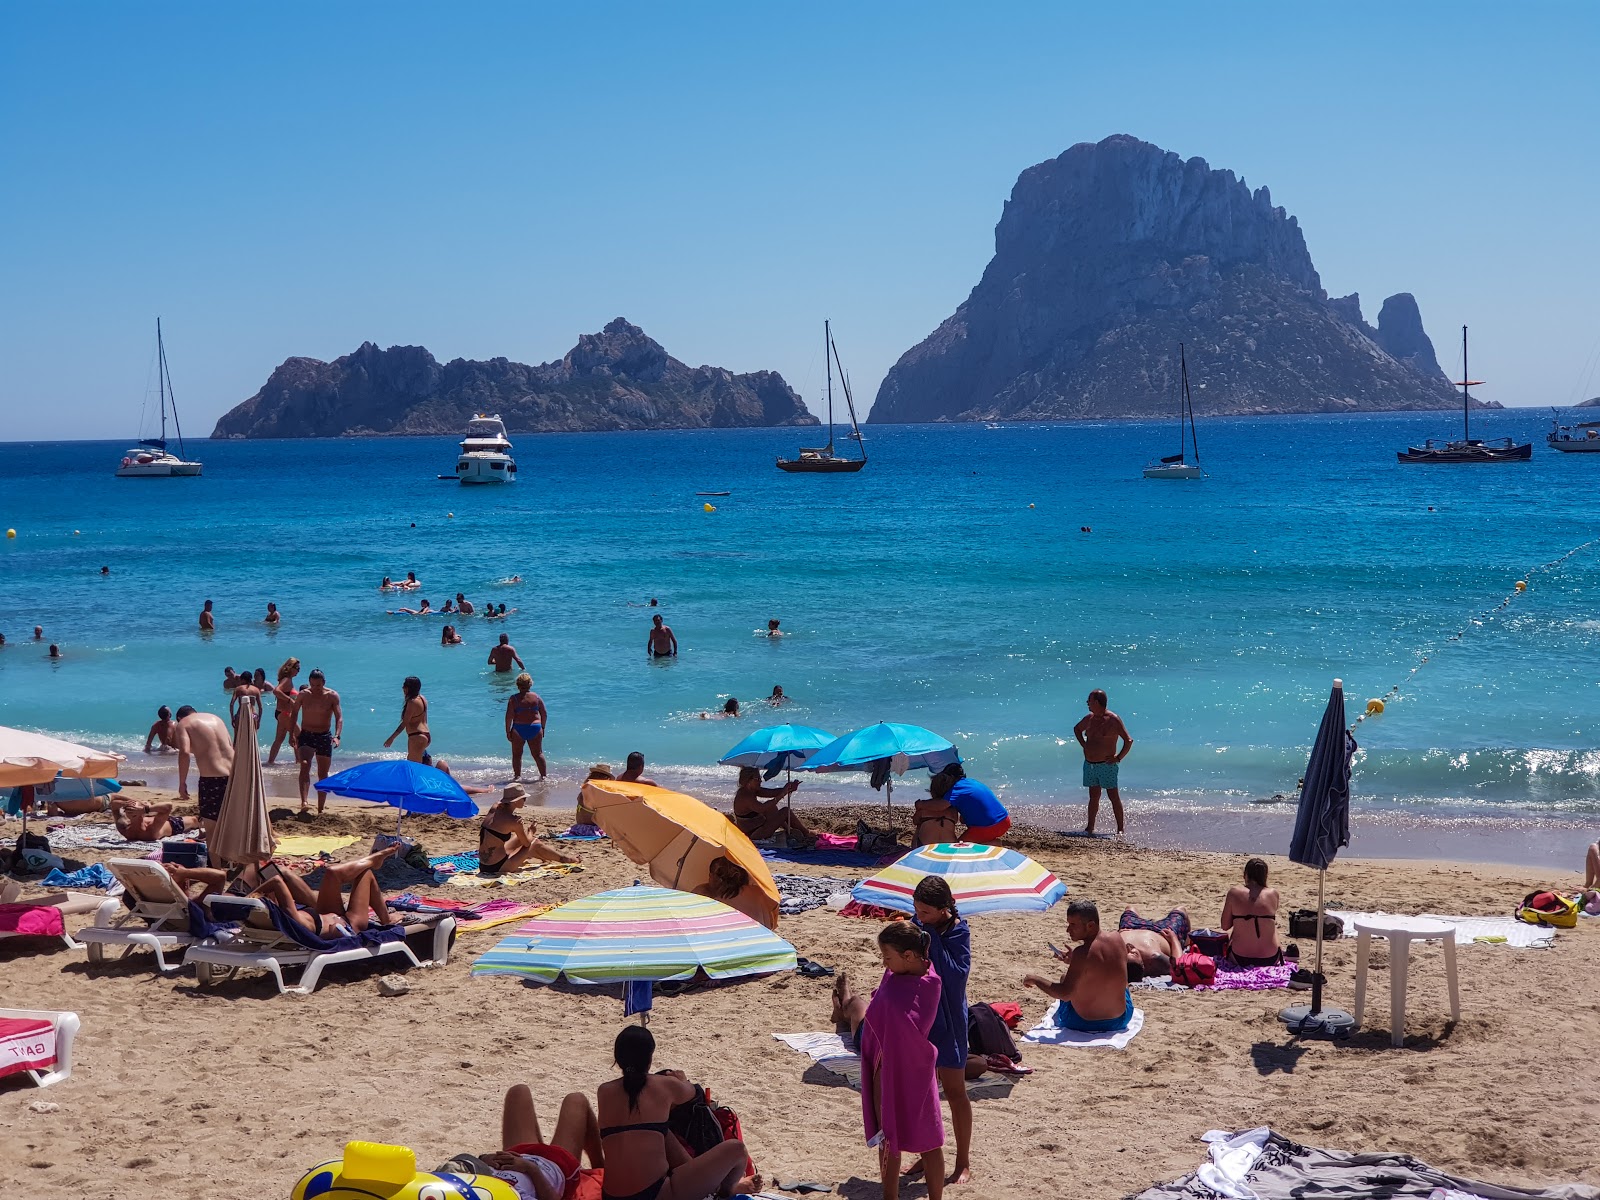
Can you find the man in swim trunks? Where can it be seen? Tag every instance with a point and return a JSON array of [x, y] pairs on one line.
[[165, 730], [206, 738], [526, 719], [633, 772], [661, 642], [503, 655], [1094, 992], [1153, 946], [145, 823], [208, 622], [1098, 734], [464, 606], [321, 727]]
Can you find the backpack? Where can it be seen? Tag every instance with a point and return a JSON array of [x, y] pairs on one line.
[[1548, 908], [875, 841], [701, 1125], [1303, 924], [987, 1033], [1193, 969]]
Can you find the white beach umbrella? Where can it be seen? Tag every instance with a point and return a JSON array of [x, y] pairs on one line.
[[29, 759]]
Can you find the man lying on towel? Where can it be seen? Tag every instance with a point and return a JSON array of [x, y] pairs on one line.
[[1094, 992]]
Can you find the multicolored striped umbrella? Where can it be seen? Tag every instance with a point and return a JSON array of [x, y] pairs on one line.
[[638, 933], [984, 879]]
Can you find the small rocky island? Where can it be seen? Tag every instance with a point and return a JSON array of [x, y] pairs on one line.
[[1109, 256], [615, 379]]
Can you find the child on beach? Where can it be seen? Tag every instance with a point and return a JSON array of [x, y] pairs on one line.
[[899, 1087]]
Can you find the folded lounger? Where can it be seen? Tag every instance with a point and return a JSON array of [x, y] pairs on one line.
[[45, 916], [158, 920], [37, 1043], [267, 939]]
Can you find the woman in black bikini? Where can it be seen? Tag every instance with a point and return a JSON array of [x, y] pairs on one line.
[[504, 844], [1256, 903], [413, 722], [644, 1161]]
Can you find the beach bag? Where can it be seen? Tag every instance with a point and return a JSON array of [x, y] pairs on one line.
[[987, 1033], [1303, 924], [1548, 908], [876, 842], [695, 1124], [1194, 969], [1212, 941]]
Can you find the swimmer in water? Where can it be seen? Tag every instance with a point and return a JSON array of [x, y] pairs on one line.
[[449, 606], [411, 580], [208, 622], [449, 637], [55, 650], [386, 585], [777, 696], [772, 629], [464, 606], [424, 611], [508, 580], [273, 616], [729, 709]]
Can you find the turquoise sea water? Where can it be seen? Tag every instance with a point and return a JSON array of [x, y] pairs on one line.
[[949, 584]]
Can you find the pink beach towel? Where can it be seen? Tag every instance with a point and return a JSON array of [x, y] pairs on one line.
[[26, 1044], [898, 1064], [33, 919], [834, 841], [1249, 979]]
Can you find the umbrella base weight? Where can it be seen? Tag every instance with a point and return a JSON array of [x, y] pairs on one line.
[[1329, 1022]]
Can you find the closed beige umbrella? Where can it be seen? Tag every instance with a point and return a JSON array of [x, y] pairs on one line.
[[244, 831]]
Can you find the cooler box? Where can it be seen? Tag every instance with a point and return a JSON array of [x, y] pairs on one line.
[[180, 852]]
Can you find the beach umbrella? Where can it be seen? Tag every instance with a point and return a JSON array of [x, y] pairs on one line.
[[407, 785], [244, 831], [777, 747], [29, 759], [886, 749], [62, 788], [1321, 830], [638, 934], [983, 879], [677, 837]]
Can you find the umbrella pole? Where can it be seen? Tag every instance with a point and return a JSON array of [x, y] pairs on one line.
[[22, 838], [1316, 977]]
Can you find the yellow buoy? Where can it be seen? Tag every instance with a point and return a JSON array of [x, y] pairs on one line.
[[1374, 707], [709, 507], [1522, 585], [11, 533]]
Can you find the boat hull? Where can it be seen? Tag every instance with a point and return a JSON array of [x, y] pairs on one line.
[[1173, 471], [486, 469], [1466, 454], [820, 466], [158, 470], [1574, 445]]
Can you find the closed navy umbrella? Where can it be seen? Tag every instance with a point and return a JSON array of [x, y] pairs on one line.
[[1321, 830]]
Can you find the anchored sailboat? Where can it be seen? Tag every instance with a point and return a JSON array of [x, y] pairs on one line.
[[1178, 466], [1467, 450], [822, 458], [150, 459]]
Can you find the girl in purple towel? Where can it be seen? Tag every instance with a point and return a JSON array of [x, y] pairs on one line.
[[899, 1086]]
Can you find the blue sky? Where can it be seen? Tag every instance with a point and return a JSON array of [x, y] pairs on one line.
[[495, 179]]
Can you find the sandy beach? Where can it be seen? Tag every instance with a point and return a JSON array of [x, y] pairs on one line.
[[178, 1088]]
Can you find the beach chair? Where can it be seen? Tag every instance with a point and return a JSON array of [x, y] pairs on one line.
[[37, 1043], [45, 916], [158, 920], [266, 939]]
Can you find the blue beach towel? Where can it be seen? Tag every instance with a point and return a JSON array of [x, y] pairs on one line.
[[94, 877]]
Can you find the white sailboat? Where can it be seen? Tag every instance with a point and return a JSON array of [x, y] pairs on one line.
[[151, 459], [1179, 466]]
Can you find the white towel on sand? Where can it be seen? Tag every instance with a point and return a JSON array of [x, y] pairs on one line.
[[1468, 929], [826, 1050], [1047, 1033]]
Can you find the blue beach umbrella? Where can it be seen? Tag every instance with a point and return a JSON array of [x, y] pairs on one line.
[[1321, 830], [777, 748], [406, 785], [885, 749]]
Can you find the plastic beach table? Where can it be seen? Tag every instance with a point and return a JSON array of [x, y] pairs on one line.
[[1401, 931]]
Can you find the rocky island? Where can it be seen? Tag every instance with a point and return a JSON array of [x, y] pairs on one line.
[[615, 379], [1109, 256]]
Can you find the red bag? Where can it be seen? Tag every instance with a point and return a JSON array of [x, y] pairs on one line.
[[1194, 969]]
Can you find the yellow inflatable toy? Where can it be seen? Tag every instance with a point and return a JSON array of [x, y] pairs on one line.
[[1374, 707], [373, 1171], [709, 507]]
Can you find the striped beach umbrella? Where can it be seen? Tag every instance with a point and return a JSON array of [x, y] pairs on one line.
[[638, 933], [984, 879]]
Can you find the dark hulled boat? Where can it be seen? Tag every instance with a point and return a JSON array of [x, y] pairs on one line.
[[822, 459], [1468, 449]]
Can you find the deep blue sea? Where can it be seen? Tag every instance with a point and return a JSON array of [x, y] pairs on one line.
[[977, 581]]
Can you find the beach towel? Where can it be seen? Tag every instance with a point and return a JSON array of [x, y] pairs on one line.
[[94, 877], [411, 902], [1498, 931], [498, 912], [836, 841], [898, 1064], [871, 912], [32, 920], [827, 1050], [1230, 978], [802, 893], [1048, 1033], [579, 833], [820, 858], [26, 1044], [305, 846], [99, 836], [514, 878]]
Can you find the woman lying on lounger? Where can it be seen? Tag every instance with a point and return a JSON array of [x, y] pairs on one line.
[[323, 912]]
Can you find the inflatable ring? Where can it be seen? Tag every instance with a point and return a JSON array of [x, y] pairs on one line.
[[372, 1169]]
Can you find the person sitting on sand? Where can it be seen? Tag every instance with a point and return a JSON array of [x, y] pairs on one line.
[[633, 770], [145, 822], [1250, 918], [585, 815], [759, 813], [165, 731], [730, 883], [505, 844], [644, 1161], [1094, 992], [553, 1170], [324, 912]]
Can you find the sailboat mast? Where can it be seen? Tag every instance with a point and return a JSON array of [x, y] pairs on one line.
[[827, 359], [161, 380], [1183, 400], [1188, 404], [1466, 384]]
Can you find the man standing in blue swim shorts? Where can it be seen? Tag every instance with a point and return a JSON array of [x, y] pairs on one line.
[[1098, 734]]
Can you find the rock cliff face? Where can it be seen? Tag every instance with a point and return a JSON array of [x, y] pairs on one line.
[[615, 379], [1109, 256]]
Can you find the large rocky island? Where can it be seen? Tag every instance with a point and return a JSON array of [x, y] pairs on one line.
[[1109, 256], [615, 379]]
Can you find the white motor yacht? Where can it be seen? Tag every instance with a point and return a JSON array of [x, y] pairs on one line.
[[486, 453], [151, 459]]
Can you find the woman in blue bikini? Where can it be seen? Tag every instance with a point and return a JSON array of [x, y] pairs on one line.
[[526, 719]]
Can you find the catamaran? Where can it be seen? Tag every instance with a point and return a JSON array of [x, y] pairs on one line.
[[1178, 466], [1467, 449], [150, 459], [822, 458]]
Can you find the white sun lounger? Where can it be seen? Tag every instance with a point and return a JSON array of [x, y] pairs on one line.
[[158, 921], [40, 1039], [70, 904], [258, 945]]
